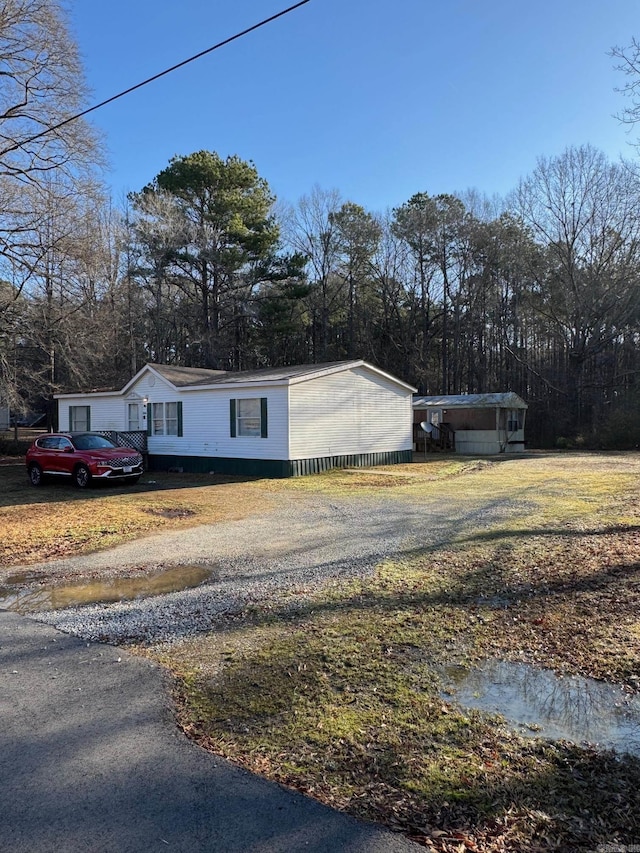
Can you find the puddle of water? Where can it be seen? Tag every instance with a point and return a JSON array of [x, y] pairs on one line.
[[20, 578], [539, 703], [99, 591]]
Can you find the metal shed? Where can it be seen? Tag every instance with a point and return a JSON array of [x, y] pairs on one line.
[[470, 423]]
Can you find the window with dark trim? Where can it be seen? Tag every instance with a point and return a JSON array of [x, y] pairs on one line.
[[79, 418], [248, 417], [165, 419]]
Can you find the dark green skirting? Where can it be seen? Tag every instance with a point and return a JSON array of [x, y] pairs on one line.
[[274, 467], [300, 467]]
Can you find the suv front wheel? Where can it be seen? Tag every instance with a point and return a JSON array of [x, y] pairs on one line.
[[82, 476]]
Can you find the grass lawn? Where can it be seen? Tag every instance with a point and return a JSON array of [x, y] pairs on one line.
[[342, 698]]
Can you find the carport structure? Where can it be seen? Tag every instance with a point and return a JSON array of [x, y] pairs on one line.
[[470, 423]]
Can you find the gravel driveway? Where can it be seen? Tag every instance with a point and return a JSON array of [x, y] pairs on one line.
[[282, 555]]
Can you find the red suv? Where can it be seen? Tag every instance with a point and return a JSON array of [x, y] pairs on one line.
[[83, 457]]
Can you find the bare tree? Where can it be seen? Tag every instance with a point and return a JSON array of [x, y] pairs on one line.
[[629, 65], [42, 87], [311, 231], [583, 210], [45, 159]]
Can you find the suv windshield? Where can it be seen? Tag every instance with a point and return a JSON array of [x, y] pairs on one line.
[[92, 442]]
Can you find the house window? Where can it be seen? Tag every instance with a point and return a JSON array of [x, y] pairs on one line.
[[248, 417], [166, 419], [79, 418]]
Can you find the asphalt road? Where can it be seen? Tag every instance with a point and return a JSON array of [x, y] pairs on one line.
[[92, 762]]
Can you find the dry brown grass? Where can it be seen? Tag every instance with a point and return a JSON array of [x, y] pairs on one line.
[[56, 520]]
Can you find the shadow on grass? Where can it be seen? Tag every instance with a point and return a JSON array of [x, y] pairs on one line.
[[15, 488], [390, 752], [544, 797], [562, 532], [488, 585]]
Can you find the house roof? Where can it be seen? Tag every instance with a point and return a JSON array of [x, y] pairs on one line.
[[183, 377], [197, 377], [180, 376], [506, 400]]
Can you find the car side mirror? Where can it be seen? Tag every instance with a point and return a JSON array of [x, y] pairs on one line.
[[68, 449]]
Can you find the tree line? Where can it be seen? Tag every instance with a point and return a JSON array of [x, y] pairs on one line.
[[537, 293]]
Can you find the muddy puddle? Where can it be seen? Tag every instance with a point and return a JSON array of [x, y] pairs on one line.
[[105, 591], [537, 702]]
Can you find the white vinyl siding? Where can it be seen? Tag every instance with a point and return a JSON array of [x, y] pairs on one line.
[[354, 411], [206, 430]]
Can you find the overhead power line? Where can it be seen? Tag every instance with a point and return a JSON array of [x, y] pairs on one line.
[[156, 76]]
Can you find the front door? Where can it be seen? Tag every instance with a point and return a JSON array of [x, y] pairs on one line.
[[133, 417]]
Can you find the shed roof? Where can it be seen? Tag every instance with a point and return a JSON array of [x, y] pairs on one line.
[[505, 400]]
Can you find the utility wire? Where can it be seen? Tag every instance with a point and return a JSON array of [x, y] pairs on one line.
[[156, 76]]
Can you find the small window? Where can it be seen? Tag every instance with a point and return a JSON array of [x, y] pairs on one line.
[[514, 420], [158, 418], [49, 443], [249, 417], [171, 418], [79, 418]]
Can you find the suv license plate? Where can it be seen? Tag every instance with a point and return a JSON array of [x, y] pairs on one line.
[[127, 469]]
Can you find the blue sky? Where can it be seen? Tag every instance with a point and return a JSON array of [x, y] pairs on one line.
[[379, 100]]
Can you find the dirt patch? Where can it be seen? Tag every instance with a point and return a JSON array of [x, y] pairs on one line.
[[170, 512]]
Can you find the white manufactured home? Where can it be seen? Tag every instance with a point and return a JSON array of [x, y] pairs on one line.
[[470, 423], [273, 422]]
